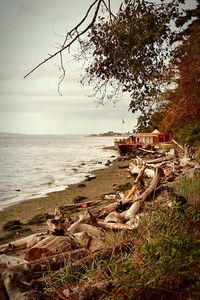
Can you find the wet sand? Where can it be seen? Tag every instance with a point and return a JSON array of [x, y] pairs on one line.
[[107, 181]]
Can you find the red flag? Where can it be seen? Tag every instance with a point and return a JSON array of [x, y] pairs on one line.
[[123, 122]]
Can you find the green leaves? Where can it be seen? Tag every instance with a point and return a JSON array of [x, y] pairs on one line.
[[133, 49]]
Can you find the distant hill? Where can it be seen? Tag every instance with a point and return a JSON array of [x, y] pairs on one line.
[[8, 134], [109, 133]]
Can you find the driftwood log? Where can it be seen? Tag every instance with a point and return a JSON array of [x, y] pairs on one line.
[[52, 245], [26, 242], [134, 209], [125, 199]]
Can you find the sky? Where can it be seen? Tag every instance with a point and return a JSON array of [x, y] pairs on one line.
[[29, 31]]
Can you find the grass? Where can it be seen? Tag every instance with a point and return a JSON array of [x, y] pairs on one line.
[[189, 187], [159, 260]]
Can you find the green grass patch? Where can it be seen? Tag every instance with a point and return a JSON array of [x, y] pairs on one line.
[[189, 187]]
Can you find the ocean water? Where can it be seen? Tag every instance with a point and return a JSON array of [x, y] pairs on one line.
[[32, 166]]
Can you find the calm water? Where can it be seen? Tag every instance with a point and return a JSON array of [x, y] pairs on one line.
[[33, 166]]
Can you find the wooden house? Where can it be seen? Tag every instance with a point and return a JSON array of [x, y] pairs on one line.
[[141, 139]]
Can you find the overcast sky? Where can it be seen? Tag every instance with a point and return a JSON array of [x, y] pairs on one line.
[[27, 34]]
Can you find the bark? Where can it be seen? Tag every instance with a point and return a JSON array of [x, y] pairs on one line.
[[18, 279], [114, 217], [159, 160], [124, 200], [148, 151], [115, 226], [8, 261], [134, 209], [51, 245], [23, 243]]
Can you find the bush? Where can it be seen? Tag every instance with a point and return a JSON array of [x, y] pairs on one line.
[[189, 134]]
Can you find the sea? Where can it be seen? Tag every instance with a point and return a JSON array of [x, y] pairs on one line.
[[33, 166]]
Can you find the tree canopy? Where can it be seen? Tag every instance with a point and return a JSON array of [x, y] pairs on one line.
[[141, 49]]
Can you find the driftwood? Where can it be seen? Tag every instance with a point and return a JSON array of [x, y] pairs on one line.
[[133, 210], [91, 243], [26, 242], [148, 151], [52, 245], [115, 226], [114, 217], [17, 279], [82, 225], [136, 186], [160, 159], [8, 261]]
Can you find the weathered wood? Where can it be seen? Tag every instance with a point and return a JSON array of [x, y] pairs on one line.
[[89, 242], [148, 151], [8, 261], [52, 245], [114, 217], [115, 226], [23, 243], [133, 210], [160, 159], [178, 145], [136, 187]]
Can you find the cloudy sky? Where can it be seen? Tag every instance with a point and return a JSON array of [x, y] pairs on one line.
[[28, 33]]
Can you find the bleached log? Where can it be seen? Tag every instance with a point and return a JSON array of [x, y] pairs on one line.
[[115, 226], [135, 188], [52, 245], [22, 243], [110, 197], [89, 229], [17, 279], [89, 242], [114, 217], [108, 209], [148, 151], [160, 159], [133, 210], [8, 261], [136, 185], [82, 225]]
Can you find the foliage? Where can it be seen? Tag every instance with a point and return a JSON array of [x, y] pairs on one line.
[[188, 134], [165, 261], [183, 103], [159, 260], [132, 50]]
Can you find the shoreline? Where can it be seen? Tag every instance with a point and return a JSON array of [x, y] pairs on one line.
[[105, 181]]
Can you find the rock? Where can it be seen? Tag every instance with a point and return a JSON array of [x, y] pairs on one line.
[[81, 185], [108, 163], [90, 177], [40, 218], [12, 225], [79, 198], [99, 162], [18, 190]]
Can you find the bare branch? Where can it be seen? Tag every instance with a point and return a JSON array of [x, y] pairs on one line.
[[67, 46]]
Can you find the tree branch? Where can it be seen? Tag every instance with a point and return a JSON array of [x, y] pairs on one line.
[[66, 46]]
